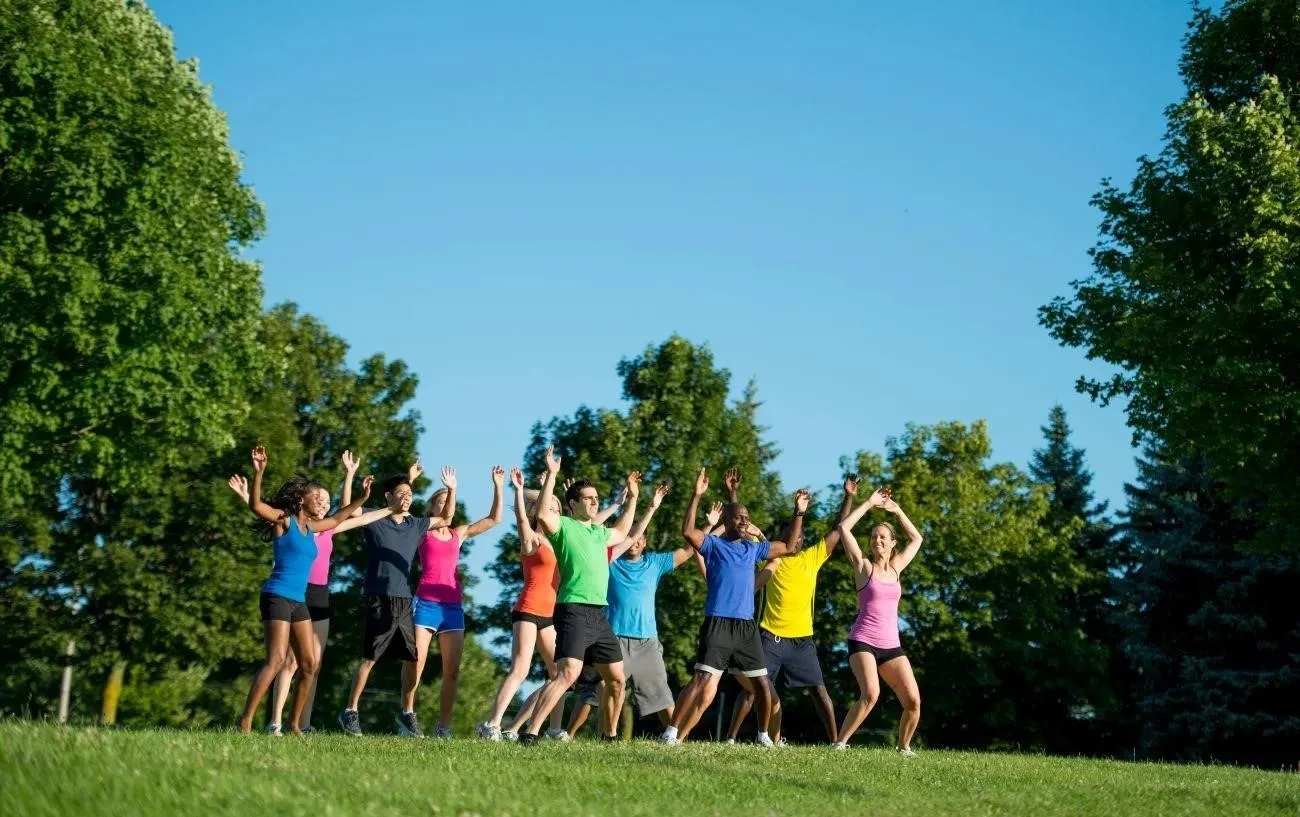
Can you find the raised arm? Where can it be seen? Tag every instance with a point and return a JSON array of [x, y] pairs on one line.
[[776, 549], [528, 543], [239, 485], [710, 522], [656, 499], [904, 557], [851, 549], [693, 535], [342, 514], [731, 481], [363, 519], [255, 503], [449, 507], [350, 463], [547, 518], [494, 516], [619, 533], [603, 517], [846, 507]]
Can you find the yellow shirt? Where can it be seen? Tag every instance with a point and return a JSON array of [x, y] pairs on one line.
[[788, 595]]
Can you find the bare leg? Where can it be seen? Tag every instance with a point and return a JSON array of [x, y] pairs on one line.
[[280, 687], [553, 691], [774, 724], [611, 697], [739, 710], [763, 702], [277, 650], [546, 646], [321, 629], [304, 645], [521, 659], [825, 710], [411, 673], [359, 679], [863, 665], [580, 714], [706, 688], [898, 674], [526, 711], [451, 645]]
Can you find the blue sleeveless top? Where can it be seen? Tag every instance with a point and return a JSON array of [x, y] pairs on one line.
[[291, 557]]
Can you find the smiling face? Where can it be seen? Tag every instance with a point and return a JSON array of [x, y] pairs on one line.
[[438, 503], [316, 503], [736, 519], [634, 552], [882, 541]]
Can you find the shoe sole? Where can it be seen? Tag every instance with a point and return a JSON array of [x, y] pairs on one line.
[[346, 731]]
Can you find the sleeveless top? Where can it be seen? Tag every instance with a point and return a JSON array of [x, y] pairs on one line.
[[439, 578], [877, 621], [292, 554], [541, 583]]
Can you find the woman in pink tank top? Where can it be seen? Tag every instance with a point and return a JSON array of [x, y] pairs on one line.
[[437, 606], [875, 650]]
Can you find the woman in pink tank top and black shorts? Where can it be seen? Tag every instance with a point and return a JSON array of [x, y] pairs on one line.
[[875, 650]]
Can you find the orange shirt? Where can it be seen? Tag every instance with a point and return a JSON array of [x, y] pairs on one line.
[[541, 581]]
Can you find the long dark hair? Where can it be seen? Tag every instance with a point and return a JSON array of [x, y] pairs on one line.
[[288, 499]]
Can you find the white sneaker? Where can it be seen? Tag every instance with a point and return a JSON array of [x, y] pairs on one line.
[[510, 735], [274, 729], [557, 734], [765, 741], [906, 753], [839, 747], [442, 733], [781, 743], [731, 741], [488, 732], [670, 741]]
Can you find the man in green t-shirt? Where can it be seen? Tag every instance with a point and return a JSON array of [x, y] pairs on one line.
[[583, 550]]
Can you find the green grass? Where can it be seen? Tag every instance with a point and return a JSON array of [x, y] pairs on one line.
[[46, 770]]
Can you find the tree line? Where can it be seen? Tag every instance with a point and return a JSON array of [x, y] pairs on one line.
[[138, 367]]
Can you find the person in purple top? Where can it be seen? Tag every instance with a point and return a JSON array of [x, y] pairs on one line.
[[729, 635]]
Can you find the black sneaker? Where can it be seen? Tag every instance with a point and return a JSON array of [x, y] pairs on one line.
[[527, 739], [407, 725], [351, 722], [609, 738]]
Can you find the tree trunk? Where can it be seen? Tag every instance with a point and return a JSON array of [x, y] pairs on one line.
[[112, 694], [65, 688], [626, 721]]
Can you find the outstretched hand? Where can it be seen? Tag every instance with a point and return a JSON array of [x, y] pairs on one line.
[[568, 482], [731, 480], [350, 461], [801, 500], [889, 504], [365, 486], [239, 485], [552, 461], [449, 477], [878, 497], [498, 475], [659, 494], [633, 485], [517, 478], [714, 514], [259, 459], [413, 473], [702, 482], [851, 485]]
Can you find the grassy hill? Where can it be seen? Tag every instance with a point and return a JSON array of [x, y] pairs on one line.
[[45, 770]]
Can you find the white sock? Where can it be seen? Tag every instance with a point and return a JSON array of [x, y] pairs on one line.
[[670, 732], [762, 735]]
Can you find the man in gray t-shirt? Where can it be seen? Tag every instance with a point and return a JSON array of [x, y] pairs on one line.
[[391, 544]]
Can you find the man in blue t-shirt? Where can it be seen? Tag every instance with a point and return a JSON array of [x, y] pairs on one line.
[[729, 635]]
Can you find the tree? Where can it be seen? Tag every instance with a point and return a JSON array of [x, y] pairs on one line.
[[128, 314], [678, 419], [997, 656], [1212, 632], [1194, 292]]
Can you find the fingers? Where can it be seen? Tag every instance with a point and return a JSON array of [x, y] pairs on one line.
[[498, 473]]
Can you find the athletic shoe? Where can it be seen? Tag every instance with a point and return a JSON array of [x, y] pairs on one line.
[[442, 733], [527, 739], [670, 736], [781, 743], [489, 732], [557, 734], [350, 722], [510, 735], [765, 741], [610, 738], [670, 741], [308, 730], [839, 747], [408, 726], [730, 741], [906, 753], [274, 729]]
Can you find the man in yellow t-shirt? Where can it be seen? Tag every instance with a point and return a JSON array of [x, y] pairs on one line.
[[786, 627]]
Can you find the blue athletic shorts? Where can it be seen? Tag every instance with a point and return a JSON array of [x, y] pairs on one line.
[[441, 618]]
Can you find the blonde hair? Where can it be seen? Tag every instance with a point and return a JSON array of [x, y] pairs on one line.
[[428, 509], [893, 534]]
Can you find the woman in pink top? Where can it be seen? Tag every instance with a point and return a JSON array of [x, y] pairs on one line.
[[875, 650], [438, 602]]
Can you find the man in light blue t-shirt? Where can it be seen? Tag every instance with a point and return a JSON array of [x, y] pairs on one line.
[[633, 581]]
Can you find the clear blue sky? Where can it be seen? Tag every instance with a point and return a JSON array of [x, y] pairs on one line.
[[859, 204]]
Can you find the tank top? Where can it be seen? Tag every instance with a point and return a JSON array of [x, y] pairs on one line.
[[541, 583], [292, 554], [320, 569], [877, 621], [439, 577]]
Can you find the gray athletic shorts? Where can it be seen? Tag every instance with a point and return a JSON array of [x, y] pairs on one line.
[[643, 664]]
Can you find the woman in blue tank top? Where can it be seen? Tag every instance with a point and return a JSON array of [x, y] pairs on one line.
[[291, 519]]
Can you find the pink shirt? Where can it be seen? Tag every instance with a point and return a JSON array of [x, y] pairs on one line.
[[439, 579], [877, 621], [320, 569]]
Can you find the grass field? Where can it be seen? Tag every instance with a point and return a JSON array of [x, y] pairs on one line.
[[45, 770]]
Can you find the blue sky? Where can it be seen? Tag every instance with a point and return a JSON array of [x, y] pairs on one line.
[[859, 204]]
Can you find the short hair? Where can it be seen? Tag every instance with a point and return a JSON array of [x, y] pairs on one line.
[[394, 482], [575, 491]]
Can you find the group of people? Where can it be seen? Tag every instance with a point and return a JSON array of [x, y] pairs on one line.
[[587, 604]]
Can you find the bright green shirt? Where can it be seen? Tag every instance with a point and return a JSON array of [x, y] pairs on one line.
[[582, 561]]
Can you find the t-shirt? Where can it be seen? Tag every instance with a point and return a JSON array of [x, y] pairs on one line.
[[540, 583], [439, 578], [320, 569], [582, 560], [731, 576], [390, 549], [632, 586], [788, 595]]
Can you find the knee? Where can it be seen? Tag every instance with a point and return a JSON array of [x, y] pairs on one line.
[[450, 674], [615, 686], [913, 703], [567, 674], [868, 698], [309, 666], [551, 670]]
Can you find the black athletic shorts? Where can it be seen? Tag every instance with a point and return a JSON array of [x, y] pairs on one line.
[[318, 602], [582, 632], [882, 654], [278, 608], [542, 622], [388, 626], [791, 661], [730, 642]]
